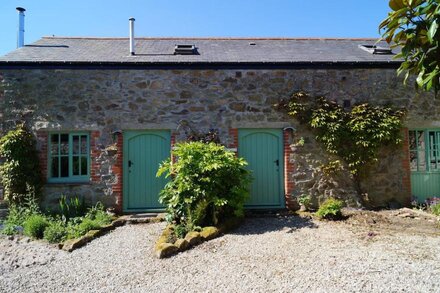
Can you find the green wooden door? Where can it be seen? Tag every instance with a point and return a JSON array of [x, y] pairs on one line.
[[263, 150], [424, 145], [143, 152]]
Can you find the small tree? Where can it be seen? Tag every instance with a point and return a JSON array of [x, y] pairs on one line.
[[413, 26], [209, 184], [20, 170]]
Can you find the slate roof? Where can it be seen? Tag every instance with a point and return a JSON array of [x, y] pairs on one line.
[[71, 50]]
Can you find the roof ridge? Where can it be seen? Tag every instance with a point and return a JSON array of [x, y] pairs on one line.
[[217, 38]]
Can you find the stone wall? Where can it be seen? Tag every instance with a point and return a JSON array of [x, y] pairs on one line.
[[106, 102]]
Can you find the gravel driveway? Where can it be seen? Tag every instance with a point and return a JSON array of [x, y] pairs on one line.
[[264, 255]]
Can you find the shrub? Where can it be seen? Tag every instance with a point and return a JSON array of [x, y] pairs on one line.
[[55, 232], [435, 209], [98, 214], [180, 231], [19, 213], [19, 173], [209, 184], [330, 209], [72, 207], [87, 225], [35, 225], [304, 200]]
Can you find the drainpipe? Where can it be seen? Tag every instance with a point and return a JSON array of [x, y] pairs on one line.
[[131, 25], [20, 34]]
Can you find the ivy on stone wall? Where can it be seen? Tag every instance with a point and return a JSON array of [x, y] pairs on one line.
[[20, 171], [355, 135]]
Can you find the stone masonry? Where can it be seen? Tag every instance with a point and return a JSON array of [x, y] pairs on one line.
[[106, 102]]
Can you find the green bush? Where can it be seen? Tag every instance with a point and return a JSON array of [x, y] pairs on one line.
[[305, 200], [330, 209], [87, 225], [35, 225], [180, 231], [72, 207], [209, 184], [98, 214], [20, 172], [19, 213], [435, 209], [55, 232]]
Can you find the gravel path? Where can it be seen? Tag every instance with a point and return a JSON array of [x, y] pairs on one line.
[[264, 255]]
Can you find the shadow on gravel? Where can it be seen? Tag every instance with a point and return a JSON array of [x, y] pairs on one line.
[[263, 225]]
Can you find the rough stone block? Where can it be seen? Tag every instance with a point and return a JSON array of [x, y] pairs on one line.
[[94, 233], [165, 249], [182, 244], [193, 238], [209, 233], [72, 244], [119, 222]]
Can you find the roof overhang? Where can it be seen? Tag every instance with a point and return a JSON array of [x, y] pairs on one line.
[[4, 65]]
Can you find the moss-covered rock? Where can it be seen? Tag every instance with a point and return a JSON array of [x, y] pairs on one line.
[[182, 244], [209, 233], [165, 250], [193, 238], [94, 233], [72, 244]]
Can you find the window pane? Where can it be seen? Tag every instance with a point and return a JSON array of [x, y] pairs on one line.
[[54, 167], [75, 166], [421, 139], [75, 144], [64, 144], [64, 166], [412, 140], [84, 166], [422, 161], [413, 160], [84, 144], [54, 144]]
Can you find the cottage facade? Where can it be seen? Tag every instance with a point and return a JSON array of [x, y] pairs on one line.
[[104, 119]]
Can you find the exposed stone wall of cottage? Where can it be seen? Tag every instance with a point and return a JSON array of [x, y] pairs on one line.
[[108, 101]]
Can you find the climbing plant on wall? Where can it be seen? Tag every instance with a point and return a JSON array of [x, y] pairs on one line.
[[355, 135], [19, 170]]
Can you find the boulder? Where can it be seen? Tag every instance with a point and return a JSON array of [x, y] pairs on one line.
[[209, 233], [193, 238], [165, 249], [182, 244]]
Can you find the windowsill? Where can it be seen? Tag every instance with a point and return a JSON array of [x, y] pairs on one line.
[[59, 183]]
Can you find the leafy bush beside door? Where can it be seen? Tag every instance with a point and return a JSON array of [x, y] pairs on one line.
[[209, 184]]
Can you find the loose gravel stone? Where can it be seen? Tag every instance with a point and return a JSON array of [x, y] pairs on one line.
[[263, 255]]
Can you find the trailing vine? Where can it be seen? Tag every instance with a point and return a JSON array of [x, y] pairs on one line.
[[355, 135]]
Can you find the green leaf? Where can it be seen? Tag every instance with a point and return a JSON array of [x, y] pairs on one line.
[[432, 31], [420, 80], [396, 4]]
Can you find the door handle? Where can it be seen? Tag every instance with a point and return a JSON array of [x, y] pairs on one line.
[[130, 163], [277, 162]]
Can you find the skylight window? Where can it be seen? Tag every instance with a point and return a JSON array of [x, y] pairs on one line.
[[185, 50], [376, 50]]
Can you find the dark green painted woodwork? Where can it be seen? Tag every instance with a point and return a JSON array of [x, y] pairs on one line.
[[143, 152], [424, 147], [263, 150]]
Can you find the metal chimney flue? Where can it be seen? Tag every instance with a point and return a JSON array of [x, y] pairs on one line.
[[131, 25], [20, 33]]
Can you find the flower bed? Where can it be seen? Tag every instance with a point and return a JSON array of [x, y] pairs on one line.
[[72, 222], [168, 244]]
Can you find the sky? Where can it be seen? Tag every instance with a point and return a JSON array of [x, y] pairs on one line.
[[191, 18]]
